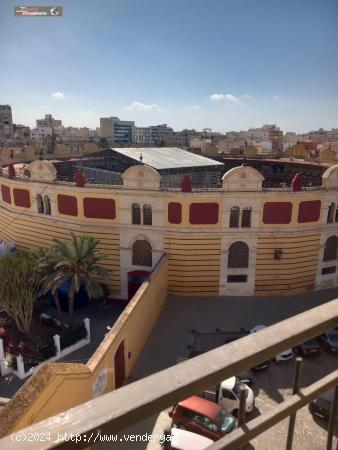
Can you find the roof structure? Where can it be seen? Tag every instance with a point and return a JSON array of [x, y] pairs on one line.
[[166, 157]]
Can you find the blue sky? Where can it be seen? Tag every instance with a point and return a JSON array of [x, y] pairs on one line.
[[223, 64]]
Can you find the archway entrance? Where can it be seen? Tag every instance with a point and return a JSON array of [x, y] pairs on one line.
[[135, 279]]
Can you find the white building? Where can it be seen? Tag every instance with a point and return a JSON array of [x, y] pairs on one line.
[[153, 135], [40, 133]]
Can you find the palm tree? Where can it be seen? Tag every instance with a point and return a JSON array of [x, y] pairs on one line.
[[76, 262], [44, 264]]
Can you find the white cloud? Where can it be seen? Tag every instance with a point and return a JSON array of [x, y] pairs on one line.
[[58, 95], [138, 106], [217, 97], [225, 97], [232, 98], [276, 97], [247, 97], [193, 107]]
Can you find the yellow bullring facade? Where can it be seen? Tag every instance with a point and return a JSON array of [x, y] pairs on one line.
[[238, 238]]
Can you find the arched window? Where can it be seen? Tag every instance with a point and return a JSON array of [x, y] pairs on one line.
[[331, 213], [330, 249], [238, 255], [246, 218], [46, 202], [135, 214], [147, 215], [234, 217], [142, 254], [39, 203]]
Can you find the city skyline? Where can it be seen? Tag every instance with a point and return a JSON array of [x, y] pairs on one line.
[[222, 65], [34, 125]]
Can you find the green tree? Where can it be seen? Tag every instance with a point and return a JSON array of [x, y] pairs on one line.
[[44, 264], [76, 261], [19, 288]]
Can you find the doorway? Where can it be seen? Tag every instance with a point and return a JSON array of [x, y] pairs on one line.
[[135, 279], [119, 366]]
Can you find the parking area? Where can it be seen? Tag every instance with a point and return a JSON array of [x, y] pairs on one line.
[[273, 385], [173, 337]]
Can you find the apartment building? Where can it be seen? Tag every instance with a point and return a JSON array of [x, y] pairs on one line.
[[48, 122], [21, 132], [6, 123], [77, 135], [40, 134], [152, 135], [116, 131]]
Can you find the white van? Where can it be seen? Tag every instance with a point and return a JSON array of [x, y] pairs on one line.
[[186, 440], [227, 394]]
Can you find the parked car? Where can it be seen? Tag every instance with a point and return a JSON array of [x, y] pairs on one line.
[[321, 406], [329, 340], [309, 348], [284, 356], [186, 440], [227, 394], [203, 417], [281, 357]]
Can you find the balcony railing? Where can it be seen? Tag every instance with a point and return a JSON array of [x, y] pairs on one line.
[[117, 410]]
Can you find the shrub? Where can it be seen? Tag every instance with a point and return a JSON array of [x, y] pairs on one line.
[[72, 336], [33, 356]]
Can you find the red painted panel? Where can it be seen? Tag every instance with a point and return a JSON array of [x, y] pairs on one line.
[[203, 213], [277, 212], [67, 204], [174, 212], [6, 194], [309, 211], [99, 208], [21, 198]]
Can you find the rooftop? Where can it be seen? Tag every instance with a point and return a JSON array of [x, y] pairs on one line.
[[166, 157]]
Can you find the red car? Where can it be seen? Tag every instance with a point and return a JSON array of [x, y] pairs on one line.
[[203, 417]]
